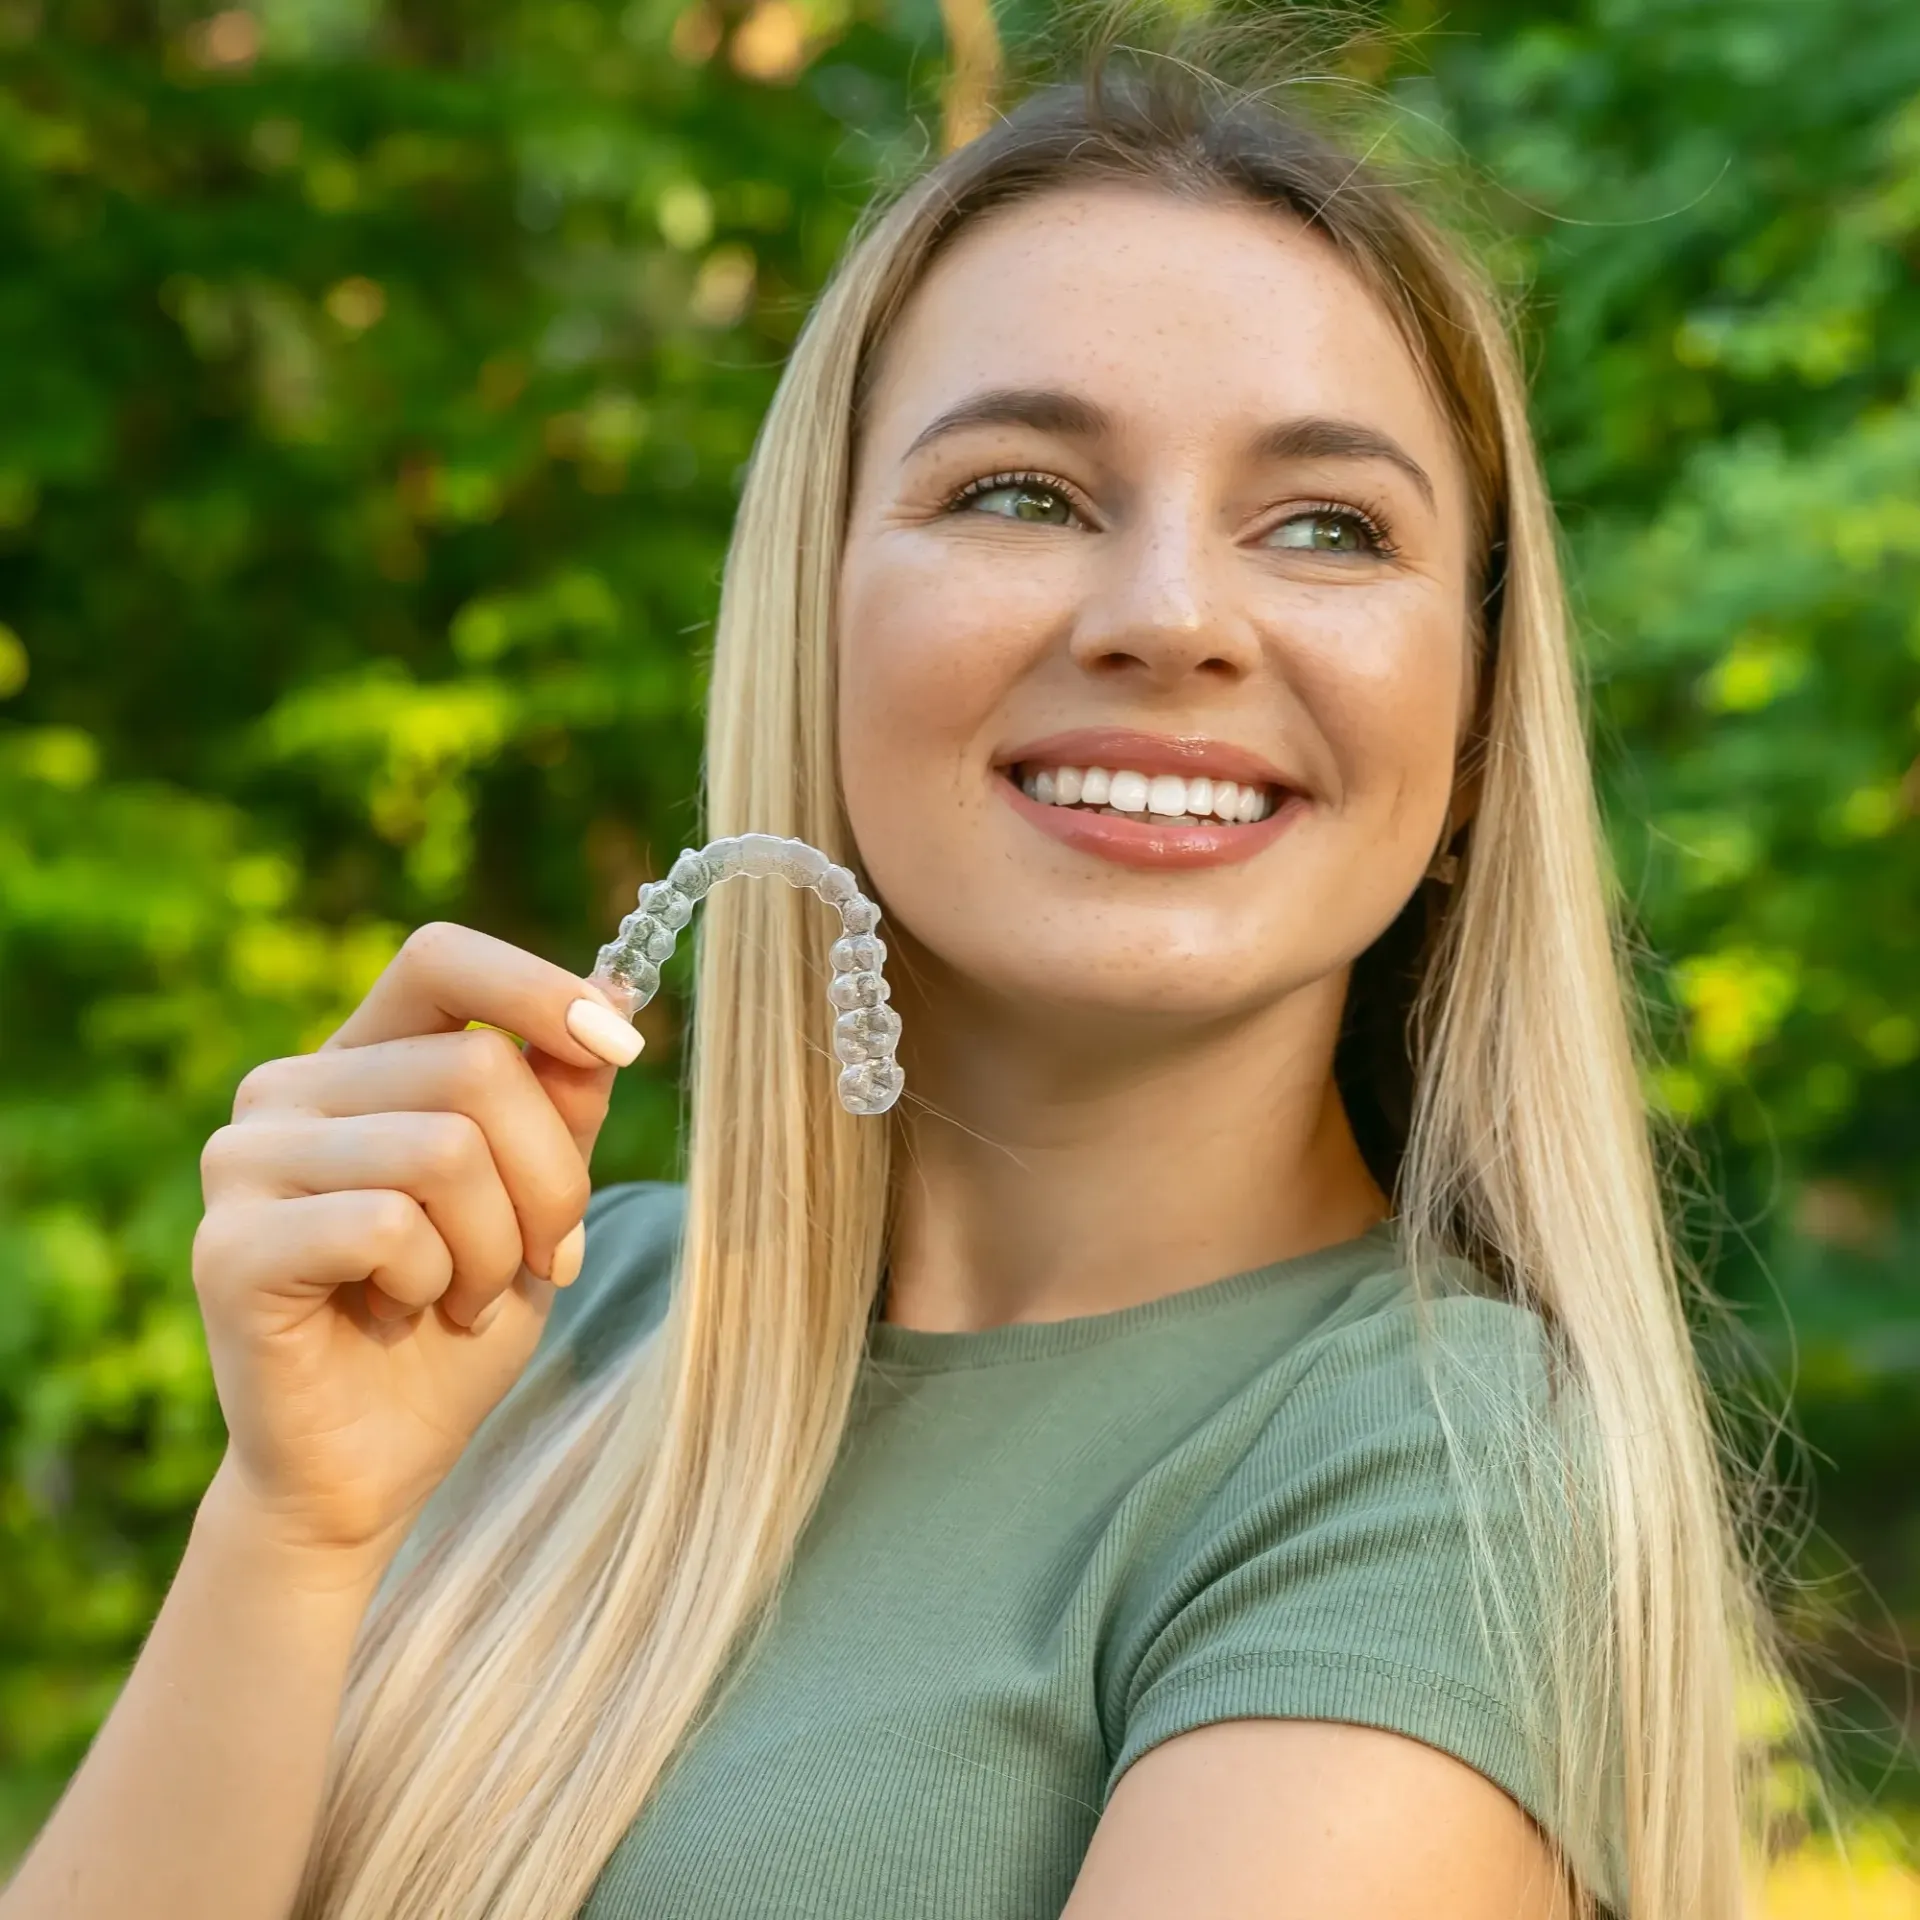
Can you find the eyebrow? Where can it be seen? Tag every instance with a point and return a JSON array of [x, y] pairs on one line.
[[1049, 410], [1045, 409], [1317, 437]]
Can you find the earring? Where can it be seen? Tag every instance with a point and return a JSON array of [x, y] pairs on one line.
[[1444, 866]]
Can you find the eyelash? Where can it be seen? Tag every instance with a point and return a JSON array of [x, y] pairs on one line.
[[993, 482], [1373, 525]]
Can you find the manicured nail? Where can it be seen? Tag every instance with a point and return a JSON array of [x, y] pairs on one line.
[[600, 1030], [487, 1315], [567, 1255]]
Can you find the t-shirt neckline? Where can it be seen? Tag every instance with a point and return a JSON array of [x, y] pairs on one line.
[[1302, 1274]]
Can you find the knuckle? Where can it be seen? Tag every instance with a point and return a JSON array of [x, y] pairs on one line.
[[489, 1061], [392, 1219], [451, 1147], [221, 1157], [429, 944], [210, 1245], [263, 1086]]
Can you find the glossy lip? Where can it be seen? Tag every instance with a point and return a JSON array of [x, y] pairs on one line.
[[1147, 844], [1115, 748]]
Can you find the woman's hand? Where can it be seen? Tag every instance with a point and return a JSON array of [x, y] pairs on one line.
[[386, 1221]]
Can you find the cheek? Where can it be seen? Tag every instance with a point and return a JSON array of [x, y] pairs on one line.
[[1386, 686], [931, 640]]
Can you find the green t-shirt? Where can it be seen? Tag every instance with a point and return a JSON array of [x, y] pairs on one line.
[[1045, 1548]]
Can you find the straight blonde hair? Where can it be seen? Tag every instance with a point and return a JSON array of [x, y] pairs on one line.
[[520, 1688]]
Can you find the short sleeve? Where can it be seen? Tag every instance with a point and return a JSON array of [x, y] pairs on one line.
[[1408, 1543]]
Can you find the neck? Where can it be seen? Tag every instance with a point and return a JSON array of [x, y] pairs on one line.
[[1053, 1166]]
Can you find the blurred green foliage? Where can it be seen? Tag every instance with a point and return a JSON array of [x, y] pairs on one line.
[[375, 379]]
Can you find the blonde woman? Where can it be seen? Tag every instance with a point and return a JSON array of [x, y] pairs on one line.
[[1227, 1446]]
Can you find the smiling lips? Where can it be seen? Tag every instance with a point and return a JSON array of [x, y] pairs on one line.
[[1144, 801]]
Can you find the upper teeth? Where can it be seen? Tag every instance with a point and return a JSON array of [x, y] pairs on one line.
[[1164, 796]]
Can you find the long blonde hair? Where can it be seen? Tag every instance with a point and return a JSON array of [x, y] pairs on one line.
[[518, 1692]]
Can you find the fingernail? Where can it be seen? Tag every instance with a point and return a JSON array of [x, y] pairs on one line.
[[567, 1256], [487, 1315], [600, 1030]]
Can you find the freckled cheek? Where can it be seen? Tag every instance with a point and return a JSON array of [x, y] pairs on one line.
[[930, 646], [1385, 686]]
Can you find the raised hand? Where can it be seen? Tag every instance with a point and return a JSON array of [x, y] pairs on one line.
[[386, 1222]]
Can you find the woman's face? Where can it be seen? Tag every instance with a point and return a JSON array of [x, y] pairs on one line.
[[1155, 488]]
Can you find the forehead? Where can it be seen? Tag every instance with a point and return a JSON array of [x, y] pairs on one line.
[[1183, 318]]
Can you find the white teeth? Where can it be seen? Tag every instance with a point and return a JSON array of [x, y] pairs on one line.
[[1165, 797], [1166, 793]]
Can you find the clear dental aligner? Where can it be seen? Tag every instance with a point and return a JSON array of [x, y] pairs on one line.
[[865, 1030]]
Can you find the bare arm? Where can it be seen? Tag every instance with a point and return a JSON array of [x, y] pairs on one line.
[[1311, 1820], [200, 1794], [378, 1218]]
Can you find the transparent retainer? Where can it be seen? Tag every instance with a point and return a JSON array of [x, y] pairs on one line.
[[865, 1029]]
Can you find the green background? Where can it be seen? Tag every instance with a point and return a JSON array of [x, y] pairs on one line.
[[375, 378]]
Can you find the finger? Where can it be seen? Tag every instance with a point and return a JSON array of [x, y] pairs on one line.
[[479, 1073], [525, 1305], [578, 1096], [446, 976], [440, 1159], [318, 1242]]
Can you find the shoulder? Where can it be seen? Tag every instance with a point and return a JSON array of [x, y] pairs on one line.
[[1405, 1420], [1409, 1537], [1447, 1361], [1447, 1336], [1440, 1429]]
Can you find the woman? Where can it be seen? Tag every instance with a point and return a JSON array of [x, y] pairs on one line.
[[1229, 1446]]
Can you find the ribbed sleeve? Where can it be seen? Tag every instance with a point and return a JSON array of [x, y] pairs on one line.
[[1334, 1573]]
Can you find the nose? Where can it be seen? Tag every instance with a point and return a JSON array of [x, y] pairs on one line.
[[1162, 607]]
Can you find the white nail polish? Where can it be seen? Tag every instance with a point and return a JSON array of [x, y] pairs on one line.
[[566, 1256], [600, 1030]]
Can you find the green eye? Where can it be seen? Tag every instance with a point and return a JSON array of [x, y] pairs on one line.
[[1021, 500], [1324, 532]]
